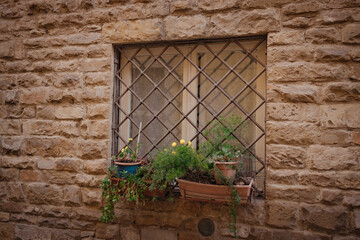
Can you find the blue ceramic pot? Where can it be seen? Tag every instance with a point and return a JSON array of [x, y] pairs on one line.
[[124, 169]]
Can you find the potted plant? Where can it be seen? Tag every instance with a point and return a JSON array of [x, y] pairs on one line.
[[222, 147], [127, 160]]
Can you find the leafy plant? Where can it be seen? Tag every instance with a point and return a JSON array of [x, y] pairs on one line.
[[174, 162], [110, 195], [221, 144], [127, 153]]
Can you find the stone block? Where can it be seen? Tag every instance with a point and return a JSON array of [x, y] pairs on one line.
[[331, 53], [133, 31], [340, 116], [293, 112], [289, 37], [91, 149], [282, 214], [185, 26], [91, 196], [342, 92], [60, 96], [335, 137], [155, 233], [350, 33], [50, 147], [302, 7], [323, 35], [7, 230], [304, 72], [33, 96], [96, 166], [253, 214], [72, 195], [106, 230], [10, 127], [96, 65], [305, 93], [84, 38], [147, 218], [355, 137], [95, 129], [12, 97], [251, 22], [60, 234], [298, 22], [7, 49], [4, 217], [9, 174], [67, 164], [317, 217], [290, 53], [182, 5], [59, 177], [15, 192], [288, 177], [42, 193], [98, 111], [39, 6], [85, 180], [11, 146], [89, 214], [95, 78], [96, 94], [330, 196], [327, 158], [322, 179], [64, 6], [29, 176], [70, 113], [292, 133], [46, 164], [130, 233], [293, 193], [348, 180], [338, 16], [351, 198], [285, 157], [209, 5], [243, 231], [45, 112]]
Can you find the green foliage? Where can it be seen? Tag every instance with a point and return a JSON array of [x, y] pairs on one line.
[[222, 144], [127, 153], [174, 162], [110, 195]]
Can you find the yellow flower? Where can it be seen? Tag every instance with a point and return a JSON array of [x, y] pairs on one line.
[[189, 143], [126, 147], [122, 150], [130, 139], [173, 144], [182, 141], [173, 152]]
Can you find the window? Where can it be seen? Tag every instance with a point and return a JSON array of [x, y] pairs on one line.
[[174, 90]]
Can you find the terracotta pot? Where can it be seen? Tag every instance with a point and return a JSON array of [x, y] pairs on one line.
[[228, 170], [211, 192]]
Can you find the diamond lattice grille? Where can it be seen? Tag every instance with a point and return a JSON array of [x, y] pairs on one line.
[[174, 90]]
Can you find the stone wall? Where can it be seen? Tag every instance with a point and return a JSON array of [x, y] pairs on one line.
[[55, 116]]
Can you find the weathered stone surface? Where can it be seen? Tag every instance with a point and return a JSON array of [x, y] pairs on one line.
[[95, 129], [96, 65], [12, 97], [109, 231], [65, 234], [98, 111], [95, 78], [46, 164], [33, 96], [209, 5], [71, 165], [185, 27], [351, 198], [330, 196], [355, 137], [130, 233], [289, 53], [7, 49], [286, 38], [153, 234], [331, 53], [340, 115], [132, 31], [326, 179], [253, 22], [4, 217], [350, 33], [302, 7], [338, 16], [243, 231], [72, 195], [15, 192], [181, 5], [293, 112], [306, 72], [84, 39], [348, 180], [327, 158], [86, 180], [91, 149], [42, 193], [91, 196], [68, 113], [58, 177], [282, 214], [29, 176], [282, 177], [50, 128], [323, 35], [284, 156], [7, 231], [10, 127], [298, 22], [297, 93], [293, 193], [9, 174], [96, 166], [96, 94], [342, 92], [50, 147], [292, 133], [335, 137], [329, 218]]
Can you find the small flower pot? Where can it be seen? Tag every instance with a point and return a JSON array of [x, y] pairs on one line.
[[125, 169], [228, 170]]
